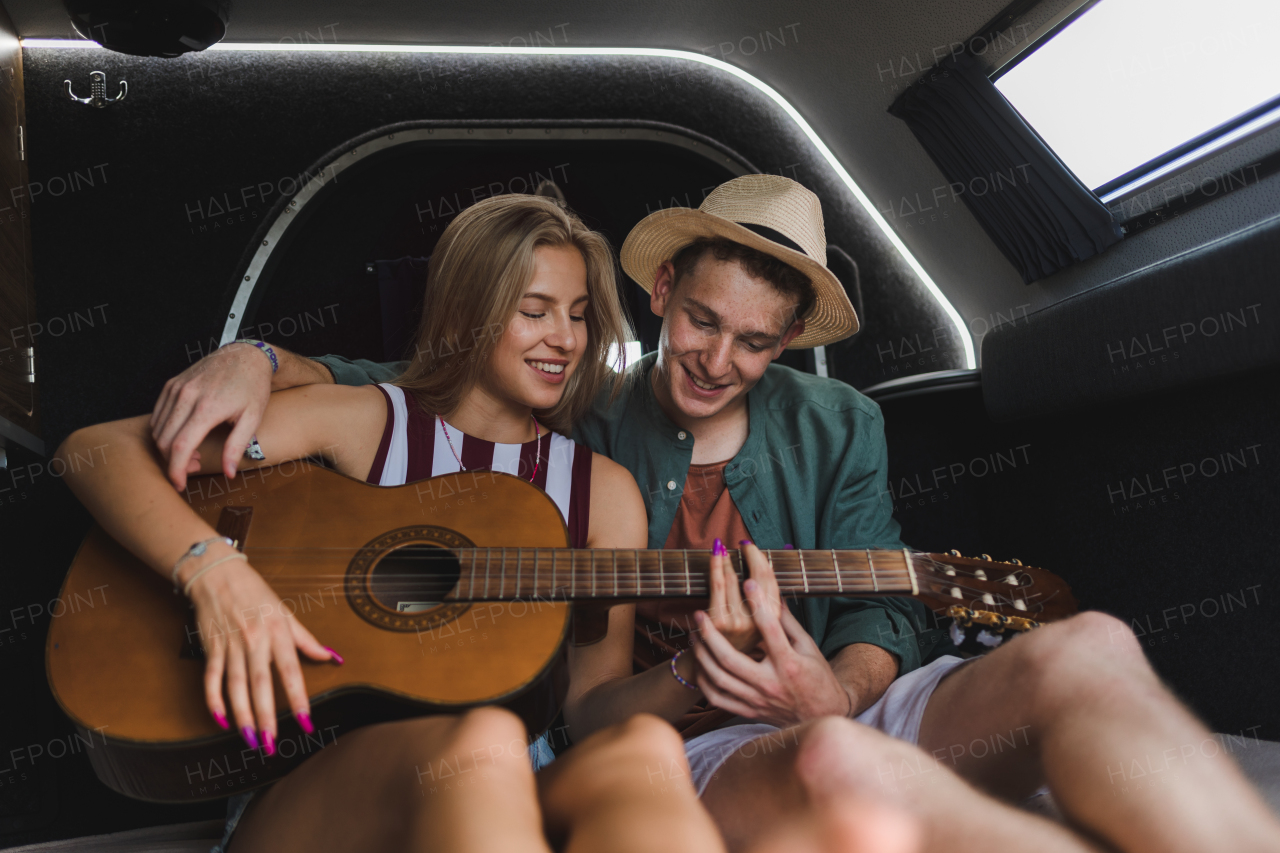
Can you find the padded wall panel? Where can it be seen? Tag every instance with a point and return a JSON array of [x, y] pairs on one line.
[[1200, 315], [1159, 510]]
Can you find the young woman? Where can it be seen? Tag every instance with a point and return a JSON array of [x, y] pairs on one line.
[[521, 310]]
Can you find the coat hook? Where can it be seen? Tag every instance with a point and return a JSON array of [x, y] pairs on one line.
[[97, 91]]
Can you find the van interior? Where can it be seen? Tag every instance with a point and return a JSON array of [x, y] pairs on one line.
[[1114, 419]]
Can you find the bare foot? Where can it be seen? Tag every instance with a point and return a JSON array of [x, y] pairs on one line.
[[842, 761], [847, 824]]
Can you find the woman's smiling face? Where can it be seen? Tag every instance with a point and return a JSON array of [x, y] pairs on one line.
[[545, 339]]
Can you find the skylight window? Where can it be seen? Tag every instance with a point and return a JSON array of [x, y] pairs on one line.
[[1130, 81]]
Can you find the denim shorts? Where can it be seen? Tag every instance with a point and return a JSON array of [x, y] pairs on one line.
[[540, 755]]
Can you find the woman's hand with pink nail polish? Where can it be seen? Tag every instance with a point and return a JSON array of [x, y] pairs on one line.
[[247, 633], [726, 609]]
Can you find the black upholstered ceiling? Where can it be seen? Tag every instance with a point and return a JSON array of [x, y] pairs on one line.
[[839, 63], [204, 133]]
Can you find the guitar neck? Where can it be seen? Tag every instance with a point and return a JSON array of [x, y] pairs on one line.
[[497, 574]]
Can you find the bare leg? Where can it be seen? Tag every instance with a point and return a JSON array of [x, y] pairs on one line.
[[770, 780], [625, 789], [847, 824], [1076, 705], [434, 783]]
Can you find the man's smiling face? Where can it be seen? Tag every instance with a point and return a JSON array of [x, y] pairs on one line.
[[720, 329]]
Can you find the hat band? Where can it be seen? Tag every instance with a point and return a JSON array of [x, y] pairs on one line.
[[774, 236]]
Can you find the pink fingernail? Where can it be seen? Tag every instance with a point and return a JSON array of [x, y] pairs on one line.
[[744, 542], [788, 547], [337, 658], [249, 737], [699, 617], [268, 743], [221, 721], [304, 720], [718, 549]]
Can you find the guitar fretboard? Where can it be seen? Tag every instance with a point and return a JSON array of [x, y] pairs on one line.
[[495, 574]]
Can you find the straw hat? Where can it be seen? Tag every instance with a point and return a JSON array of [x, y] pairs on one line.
[[769, 213]]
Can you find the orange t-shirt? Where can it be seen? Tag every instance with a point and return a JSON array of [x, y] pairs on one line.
[[706, 512]]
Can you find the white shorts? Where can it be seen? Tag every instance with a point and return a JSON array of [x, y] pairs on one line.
[[898, 714]]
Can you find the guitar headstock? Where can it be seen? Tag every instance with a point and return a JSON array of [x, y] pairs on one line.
[[981, 583]]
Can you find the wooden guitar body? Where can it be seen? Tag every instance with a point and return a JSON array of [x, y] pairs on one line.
[[128, 670], [441, 595]]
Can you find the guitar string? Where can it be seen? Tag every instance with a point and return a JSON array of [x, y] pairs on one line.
[[819, 586], [653, 556], [817, 574], [816, 578], [820, 582]]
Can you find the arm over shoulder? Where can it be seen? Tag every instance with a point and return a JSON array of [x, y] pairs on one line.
[[361, 371], [341, 423]]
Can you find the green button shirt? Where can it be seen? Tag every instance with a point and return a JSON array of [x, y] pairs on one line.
[[813, 473]]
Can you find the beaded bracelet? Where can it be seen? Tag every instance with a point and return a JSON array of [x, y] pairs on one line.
[[271, 354], [677, 674], [186, 589], [196, 550]]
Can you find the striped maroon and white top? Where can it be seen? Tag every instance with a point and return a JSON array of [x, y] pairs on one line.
[[414, 448]]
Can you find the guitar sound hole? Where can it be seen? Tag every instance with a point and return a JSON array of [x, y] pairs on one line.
[[414, 578]]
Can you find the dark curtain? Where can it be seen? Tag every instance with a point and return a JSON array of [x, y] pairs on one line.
[[400, 287], [1032, 206]]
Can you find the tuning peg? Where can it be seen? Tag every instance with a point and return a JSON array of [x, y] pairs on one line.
[[987, 557], [1015, 561], [954, 553]]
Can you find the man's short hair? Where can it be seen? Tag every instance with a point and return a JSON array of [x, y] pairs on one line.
[[785, 278]]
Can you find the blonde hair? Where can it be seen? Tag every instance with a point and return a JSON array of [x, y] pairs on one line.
[[479, 271]]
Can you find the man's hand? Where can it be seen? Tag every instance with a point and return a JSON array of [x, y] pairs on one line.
[[230, 385], [792, 684]]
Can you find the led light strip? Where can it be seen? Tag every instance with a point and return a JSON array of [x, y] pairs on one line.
[[769, 92]]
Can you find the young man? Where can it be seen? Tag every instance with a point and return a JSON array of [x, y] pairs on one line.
[[726, 445]]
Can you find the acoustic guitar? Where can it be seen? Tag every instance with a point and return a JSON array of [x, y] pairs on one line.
[[442, 595]]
